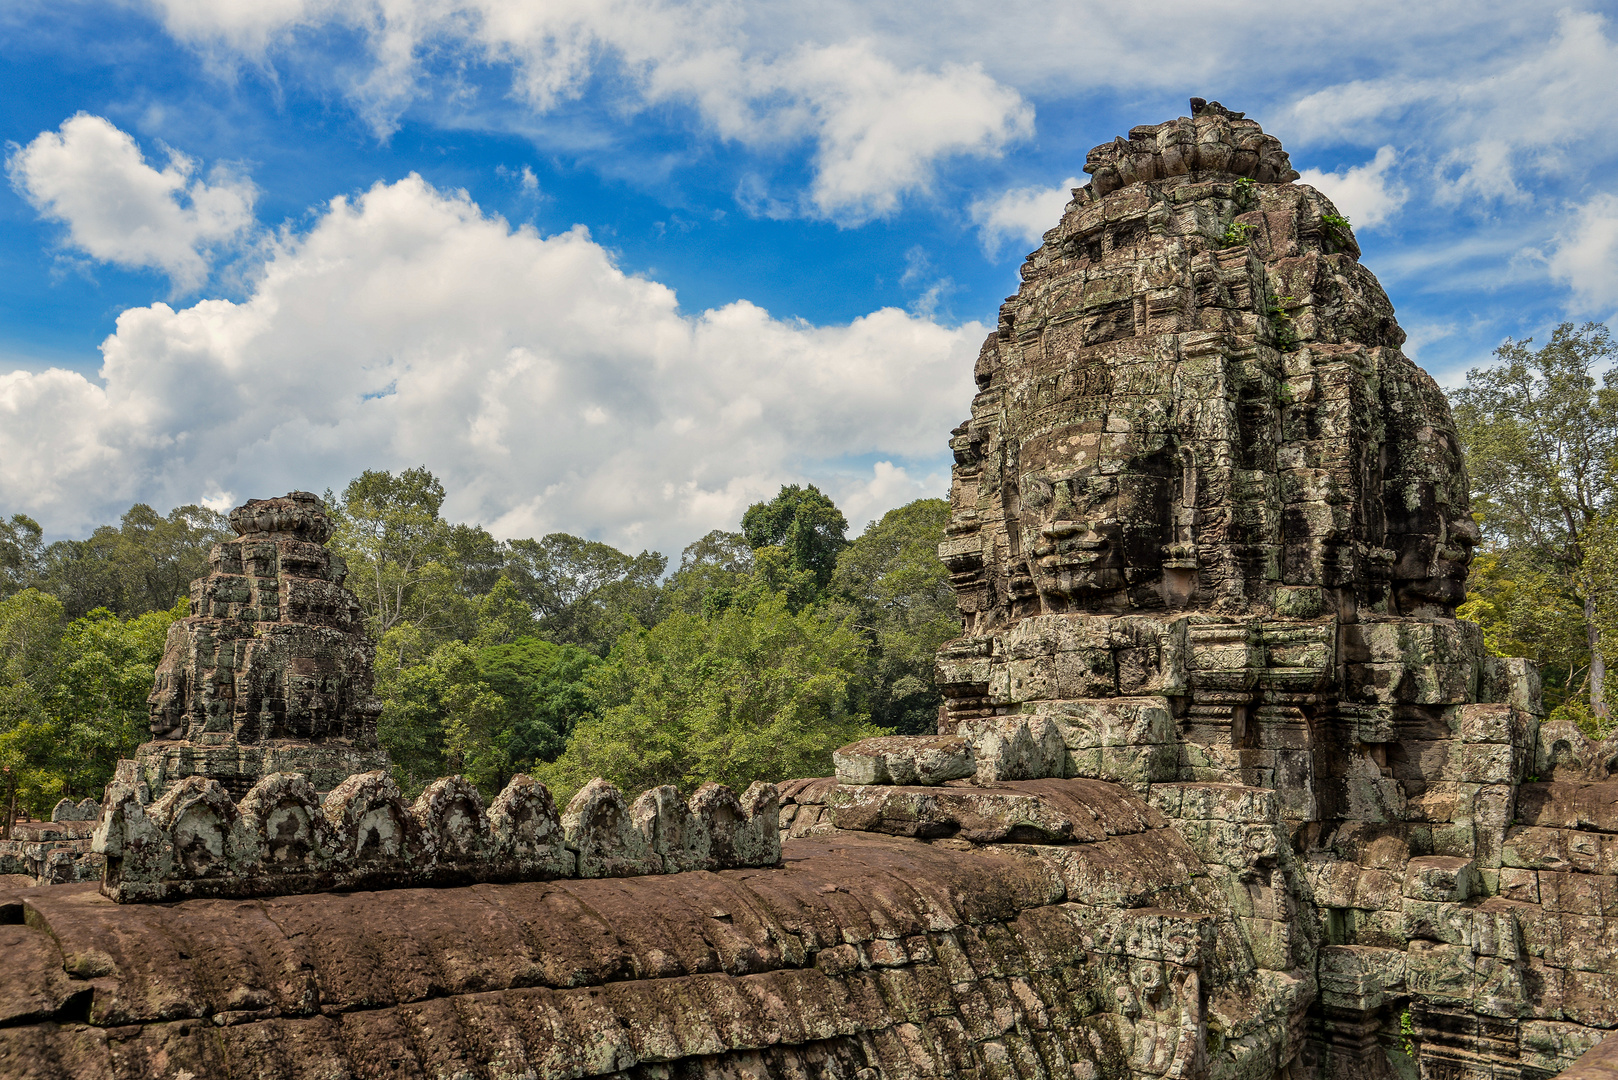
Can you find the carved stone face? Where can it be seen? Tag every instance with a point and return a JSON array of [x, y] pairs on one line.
[[166, 704], [1429, 574], [1093, 517], [1429, 530]]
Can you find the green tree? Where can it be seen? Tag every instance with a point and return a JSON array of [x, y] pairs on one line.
[[145, 563], [583, 591], [475, 719], [711, 570], [1541, 437], [31, 625], [489, 707], [105, 668], [722, 571], [433, 712], [158, 557], [892, 576], [1527, 610], [488, 713], [775, 573], [1598, 581], [805, 523], [74, 695], [22, 553], [544, 687], [406, 563], [503, 615], [84, 574], [757, 693]]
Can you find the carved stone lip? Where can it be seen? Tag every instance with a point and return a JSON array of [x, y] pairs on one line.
[[1065, 560], [1079, 552]]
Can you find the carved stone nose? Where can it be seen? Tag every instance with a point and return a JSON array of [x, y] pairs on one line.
[[1064, 530]]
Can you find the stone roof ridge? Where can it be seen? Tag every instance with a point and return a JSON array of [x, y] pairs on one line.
[[298, 514], [282, 838], [1213, 142]]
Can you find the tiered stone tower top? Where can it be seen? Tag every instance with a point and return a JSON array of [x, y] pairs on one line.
[[1196, 401], [272, 669]]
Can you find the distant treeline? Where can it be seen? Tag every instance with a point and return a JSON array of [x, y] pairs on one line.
[[562, 657]]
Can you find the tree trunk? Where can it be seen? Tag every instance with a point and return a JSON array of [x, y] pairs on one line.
[[1598, 666]]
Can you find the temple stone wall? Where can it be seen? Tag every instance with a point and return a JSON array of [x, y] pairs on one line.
[[1095, 941], [1210, 527]]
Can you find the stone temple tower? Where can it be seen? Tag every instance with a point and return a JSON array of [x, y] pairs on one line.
[[1210, 527], [1200, 474], [271, 671]]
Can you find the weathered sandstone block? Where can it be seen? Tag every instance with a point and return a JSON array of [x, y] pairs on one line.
[[1442, 879], [899, 759], [68, 810], [603, 835], [527, 832]]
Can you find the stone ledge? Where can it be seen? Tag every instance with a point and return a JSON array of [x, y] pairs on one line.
[[1598, 1063], [900, 759], [1049, 811]]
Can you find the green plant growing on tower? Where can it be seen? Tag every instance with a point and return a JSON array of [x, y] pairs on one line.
[[1236, 233], [1407, 1033], [1338, 229], [1286, 334]]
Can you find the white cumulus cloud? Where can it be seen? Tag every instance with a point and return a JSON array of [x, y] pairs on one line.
[[1363, 192], [91, 177], [1584, 256], [1492, 123], [1022, 214], [879, 127], [547, 388]]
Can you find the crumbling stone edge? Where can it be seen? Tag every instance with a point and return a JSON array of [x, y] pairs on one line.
[[282, 839]]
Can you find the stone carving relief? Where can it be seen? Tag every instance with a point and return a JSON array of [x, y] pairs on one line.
[[283, 838]]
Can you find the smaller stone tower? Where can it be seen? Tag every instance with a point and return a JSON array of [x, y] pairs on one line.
[[271, 671]]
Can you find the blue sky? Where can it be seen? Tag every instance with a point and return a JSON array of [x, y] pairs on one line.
[[620, 268]]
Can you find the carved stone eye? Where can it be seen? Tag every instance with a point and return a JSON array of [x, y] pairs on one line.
[[1036, 491]]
